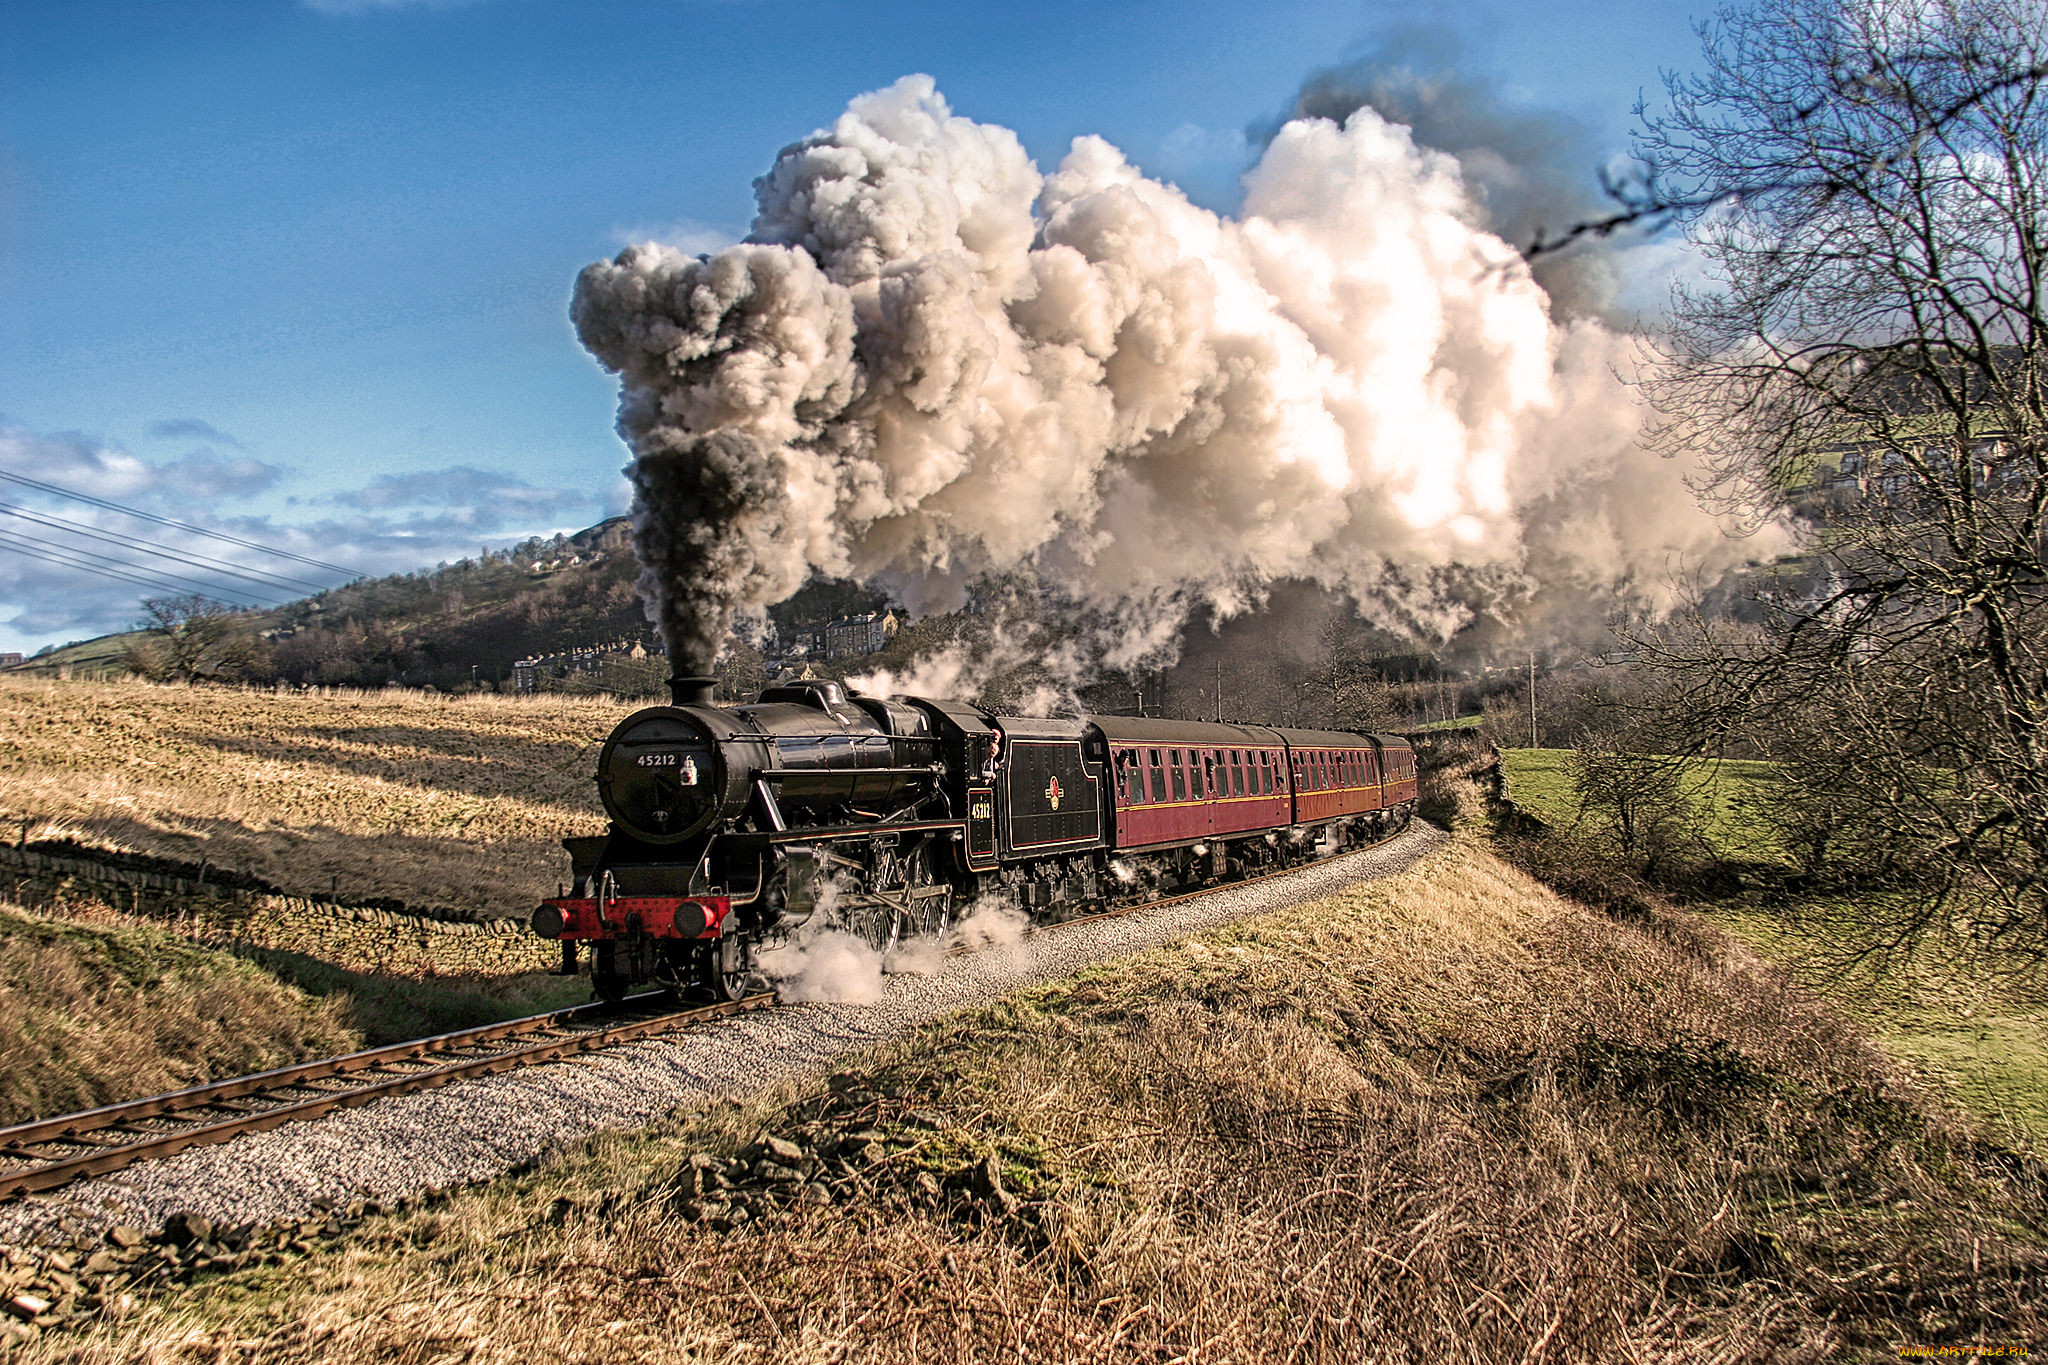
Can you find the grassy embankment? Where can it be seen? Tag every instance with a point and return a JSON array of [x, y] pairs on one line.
[[1446, 1115], [97, 1006], [363, 795], [1982, 1038], [94, 1014]]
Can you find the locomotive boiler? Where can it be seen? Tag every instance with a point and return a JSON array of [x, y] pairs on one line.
[[730, 826]]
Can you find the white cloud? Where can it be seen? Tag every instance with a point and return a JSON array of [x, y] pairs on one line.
[[686, 235], [191, 428]]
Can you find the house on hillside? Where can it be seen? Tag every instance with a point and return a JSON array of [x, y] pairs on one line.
[[1852, 471], [863, 634]]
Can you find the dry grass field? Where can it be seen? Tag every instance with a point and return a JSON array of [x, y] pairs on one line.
[[1444, 1116], [432, 800]]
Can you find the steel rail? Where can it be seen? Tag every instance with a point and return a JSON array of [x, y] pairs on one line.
[[559, 1033]]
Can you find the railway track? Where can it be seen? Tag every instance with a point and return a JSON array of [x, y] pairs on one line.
[[47, 1153]]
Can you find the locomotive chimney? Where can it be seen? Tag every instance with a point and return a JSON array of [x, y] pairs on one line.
[[691, 691]]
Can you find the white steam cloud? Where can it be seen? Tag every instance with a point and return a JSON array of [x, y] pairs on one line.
[[931, 361], [823, 961]]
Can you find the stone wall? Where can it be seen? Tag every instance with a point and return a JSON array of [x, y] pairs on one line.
[[357, 938]]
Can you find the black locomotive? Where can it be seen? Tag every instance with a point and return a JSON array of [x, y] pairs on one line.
[[731, 826]]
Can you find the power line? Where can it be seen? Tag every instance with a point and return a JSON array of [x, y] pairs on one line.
[[107, 567], [179, 525], [35, 553], [140, 574], [260, 576]]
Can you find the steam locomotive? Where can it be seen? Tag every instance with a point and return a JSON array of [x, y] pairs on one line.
[[733, 826]]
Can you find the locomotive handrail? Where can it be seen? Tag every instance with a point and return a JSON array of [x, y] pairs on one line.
[[779, 774]]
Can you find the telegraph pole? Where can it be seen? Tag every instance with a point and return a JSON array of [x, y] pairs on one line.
[[1532, 698]]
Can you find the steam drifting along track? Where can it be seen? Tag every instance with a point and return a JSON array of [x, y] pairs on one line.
[[51, 1152]]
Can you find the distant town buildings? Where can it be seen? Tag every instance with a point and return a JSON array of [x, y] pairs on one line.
[[592, 663], [841, 638], [1855, 471]]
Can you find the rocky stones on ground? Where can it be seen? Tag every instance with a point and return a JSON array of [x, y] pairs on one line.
[[60, 1284]]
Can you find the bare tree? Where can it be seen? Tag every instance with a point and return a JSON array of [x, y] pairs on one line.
[[1340, 687], [1866, 181], [194, 639], [1636, 797]]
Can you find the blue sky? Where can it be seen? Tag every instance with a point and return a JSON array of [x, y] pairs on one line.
[[299, 269]]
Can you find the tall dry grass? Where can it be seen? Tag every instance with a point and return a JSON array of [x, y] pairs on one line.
[[92, 1014], [1447, 1116], [431, 800]]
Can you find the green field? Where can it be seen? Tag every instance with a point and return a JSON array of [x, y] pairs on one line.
[[1726, 793], [1965, 1027]]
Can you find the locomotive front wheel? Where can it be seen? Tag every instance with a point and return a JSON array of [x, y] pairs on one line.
[[728, 967], [604, 975]]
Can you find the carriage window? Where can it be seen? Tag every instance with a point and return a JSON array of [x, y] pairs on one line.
[[1210, 785], [1180, 775], [1155, 777]]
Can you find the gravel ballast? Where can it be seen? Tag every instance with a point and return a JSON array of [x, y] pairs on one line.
[[476, 1129]]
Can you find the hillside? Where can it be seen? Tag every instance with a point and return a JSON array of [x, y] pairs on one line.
[[431, 628], [456, 625]]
